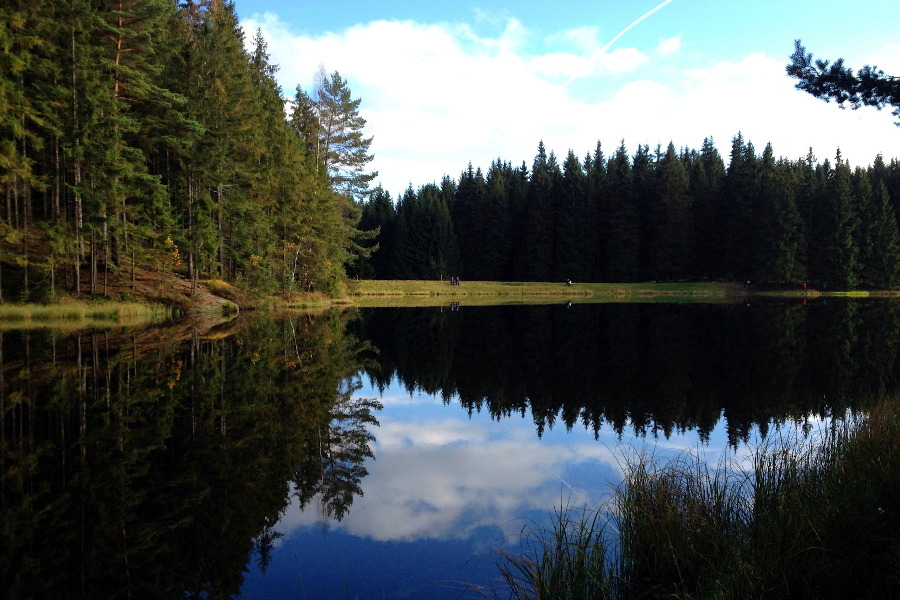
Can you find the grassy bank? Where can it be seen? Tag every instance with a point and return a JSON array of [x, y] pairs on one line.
[[806, 520], [81, 314], [423, 293]]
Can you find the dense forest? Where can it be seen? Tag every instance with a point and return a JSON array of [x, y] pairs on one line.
[[665, 215], [144, 132]]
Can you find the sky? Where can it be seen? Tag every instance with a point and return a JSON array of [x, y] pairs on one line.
[[445, 84]]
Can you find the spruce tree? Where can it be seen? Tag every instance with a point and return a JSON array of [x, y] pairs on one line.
[[671, 226], [471, 220], [379, 213], [840, 245], [707, 180], [595, 166], [572, 219], [498, 258], [781, 247], [877, 237], [739, 192], [642, 193], [623, 221]]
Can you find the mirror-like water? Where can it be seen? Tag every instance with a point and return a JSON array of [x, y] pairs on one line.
[[387, 454]]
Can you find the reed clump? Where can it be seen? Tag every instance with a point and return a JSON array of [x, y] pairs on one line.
[[806, 518], [566, 559]]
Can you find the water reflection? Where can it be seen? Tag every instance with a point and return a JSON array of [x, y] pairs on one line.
[[443, 491], [382, 452], [651, 369], [154, 466]]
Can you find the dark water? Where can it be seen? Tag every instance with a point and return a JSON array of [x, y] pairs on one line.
[[386, 454]]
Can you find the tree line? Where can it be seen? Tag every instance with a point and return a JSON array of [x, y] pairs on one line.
[[144, 132], [662, 214]]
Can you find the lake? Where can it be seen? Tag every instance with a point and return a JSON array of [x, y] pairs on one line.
[[385, 453]]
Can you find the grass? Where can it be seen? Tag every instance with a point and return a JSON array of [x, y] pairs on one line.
[[807, 519], [70, 313], [565, 560], [425, 293]]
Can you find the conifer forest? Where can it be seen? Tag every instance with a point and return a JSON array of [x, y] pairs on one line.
[[654, 215], [143, 132], [148, 133]]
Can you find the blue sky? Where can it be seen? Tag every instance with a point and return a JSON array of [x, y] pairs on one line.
[[444, 84]]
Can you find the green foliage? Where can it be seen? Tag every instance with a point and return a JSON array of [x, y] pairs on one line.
[[331, 128], [425, 245], [833, 81], [664, 216], [123, 125]]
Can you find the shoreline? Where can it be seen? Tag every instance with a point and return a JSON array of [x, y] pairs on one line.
[[218, 301]]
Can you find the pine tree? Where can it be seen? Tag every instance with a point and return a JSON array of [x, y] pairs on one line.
[[598, 225], [707, 180], [572, 219], [781, 250], [343, 152], [739, 192], [642, 193], [623, 220], [840, 247], [877, 236], [539, 223], [671, 239]]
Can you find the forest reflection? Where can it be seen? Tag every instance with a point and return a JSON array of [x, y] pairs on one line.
[[153, 464], [650, 368], [157, 463]]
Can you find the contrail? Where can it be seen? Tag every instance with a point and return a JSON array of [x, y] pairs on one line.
[[603, 50]]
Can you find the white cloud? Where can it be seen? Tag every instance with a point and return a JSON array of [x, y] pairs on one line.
[[441, 95], [585, 39], [669, 46], [623, 60]]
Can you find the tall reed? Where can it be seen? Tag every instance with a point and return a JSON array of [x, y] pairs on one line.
[[567, 559], [811, 517]]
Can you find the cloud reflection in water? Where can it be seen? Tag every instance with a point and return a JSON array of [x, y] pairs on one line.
[[438, 474]]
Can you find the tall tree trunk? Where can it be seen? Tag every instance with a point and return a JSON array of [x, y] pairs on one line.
[[57, 178], [93, 262], [221, 238], [76, 170]]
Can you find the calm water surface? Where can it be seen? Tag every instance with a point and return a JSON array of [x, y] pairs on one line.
[[385, 454]]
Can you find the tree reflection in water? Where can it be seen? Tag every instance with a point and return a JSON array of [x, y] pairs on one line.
[[152, 464], [156, 463], [652, 368]]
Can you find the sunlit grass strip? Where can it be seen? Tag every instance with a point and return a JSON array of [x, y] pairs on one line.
[[812, 518], [361, 291], [81, 314]]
